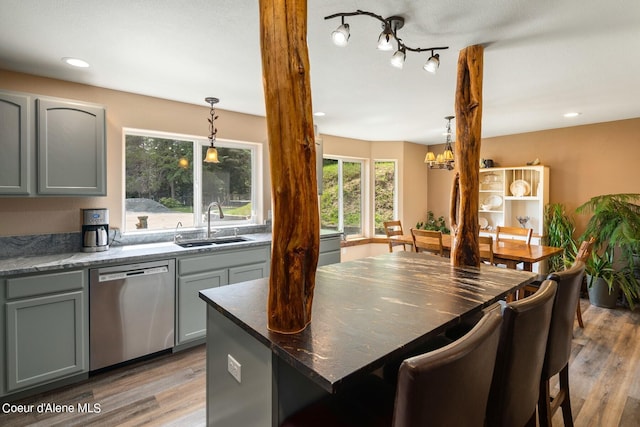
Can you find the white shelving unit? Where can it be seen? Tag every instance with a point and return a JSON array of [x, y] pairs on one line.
[[509, 193]]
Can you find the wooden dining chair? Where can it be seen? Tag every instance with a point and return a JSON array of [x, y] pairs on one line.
[[516, 377], [513, 235], [394, 228], [430, 388], [486, 248], [427, 241], [558, 352]]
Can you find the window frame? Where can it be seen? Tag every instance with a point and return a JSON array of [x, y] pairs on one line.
[[373, 190], [364, 194], [257, 198]]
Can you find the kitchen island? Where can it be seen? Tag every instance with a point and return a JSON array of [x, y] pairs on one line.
[[366, 313]]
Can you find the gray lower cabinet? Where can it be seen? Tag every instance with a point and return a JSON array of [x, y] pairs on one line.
[[45, 330], [329, 250], [196, 273], [51, 146], [15, 137]]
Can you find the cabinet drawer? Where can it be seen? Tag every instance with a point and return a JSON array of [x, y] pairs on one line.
[[199, 264], [21, 287]]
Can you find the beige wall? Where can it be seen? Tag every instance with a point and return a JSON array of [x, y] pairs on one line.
[[584, 161], [40, 215]]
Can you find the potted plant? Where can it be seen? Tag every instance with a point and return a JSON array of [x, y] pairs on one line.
[[434, 224], [615, 224], [602, 283], [559, 231]]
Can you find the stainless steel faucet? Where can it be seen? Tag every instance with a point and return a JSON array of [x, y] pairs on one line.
[[209, 216], [175, 233]]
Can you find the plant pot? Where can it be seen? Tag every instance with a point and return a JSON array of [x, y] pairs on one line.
[[599, 294]]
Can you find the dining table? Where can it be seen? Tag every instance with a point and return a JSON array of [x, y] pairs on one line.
[[367, 314], [504, 252]]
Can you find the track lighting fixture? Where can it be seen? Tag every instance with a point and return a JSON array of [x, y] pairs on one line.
[[212, 153], [387, 40]]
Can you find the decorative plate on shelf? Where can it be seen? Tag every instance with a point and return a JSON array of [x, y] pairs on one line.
[[492, 202], [520, 188], [483, 223]]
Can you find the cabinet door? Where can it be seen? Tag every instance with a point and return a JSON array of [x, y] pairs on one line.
[[247, 272], [71, 148], [45, 339], [15, 128], [192, 311]]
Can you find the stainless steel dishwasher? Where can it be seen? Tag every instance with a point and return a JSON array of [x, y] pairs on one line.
[[131, 311]]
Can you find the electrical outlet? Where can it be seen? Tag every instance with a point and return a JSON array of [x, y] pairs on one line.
[[234, 367]]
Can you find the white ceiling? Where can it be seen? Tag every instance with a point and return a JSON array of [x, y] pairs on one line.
[[542, 58]]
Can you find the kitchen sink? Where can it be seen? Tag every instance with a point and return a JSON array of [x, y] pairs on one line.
[[211, 242]]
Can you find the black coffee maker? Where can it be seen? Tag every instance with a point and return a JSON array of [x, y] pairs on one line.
[[95, 230]]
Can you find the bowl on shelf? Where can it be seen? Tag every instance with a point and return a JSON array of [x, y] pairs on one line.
[[491, 203]]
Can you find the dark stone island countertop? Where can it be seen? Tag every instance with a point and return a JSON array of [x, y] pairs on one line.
[[368, 312]]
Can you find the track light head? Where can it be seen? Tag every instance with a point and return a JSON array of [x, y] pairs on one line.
[[398, 58], [432, 63], [341, 35]]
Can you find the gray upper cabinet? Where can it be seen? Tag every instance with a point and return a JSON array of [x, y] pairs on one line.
[[71, 148], [15, 129]]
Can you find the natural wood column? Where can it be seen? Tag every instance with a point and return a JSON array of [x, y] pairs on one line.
[[296, 223], [464, 195]]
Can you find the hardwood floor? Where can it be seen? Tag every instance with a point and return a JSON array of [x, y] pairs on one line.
[[170, 390]]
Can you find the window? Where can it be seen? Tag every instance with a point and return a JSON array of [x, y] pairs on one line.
[[166, 182], [341, 203], [385, 193]]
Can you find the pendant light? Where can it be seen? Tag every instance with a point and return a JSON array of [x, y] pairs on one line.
[[212, 153], [444, 160]]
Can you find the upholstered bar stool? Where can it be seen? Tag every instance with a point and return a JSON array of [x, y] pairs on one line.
[[448, 386], [556, 359], [523, 342]]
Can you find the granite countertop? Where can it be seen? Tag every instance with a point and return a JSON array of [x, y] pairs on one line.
[[118, 254], [369, 311], [124, 254]]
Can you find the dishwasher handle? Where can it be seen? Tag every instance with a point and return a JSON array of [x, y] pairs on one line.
[[119, 275]]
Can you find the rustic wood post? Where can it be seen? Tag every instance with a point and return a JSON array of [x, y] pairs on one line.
[[464, 194], [296, 222]]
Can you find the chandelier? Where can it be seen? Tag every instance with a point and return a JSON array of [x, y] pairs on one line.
[[444, 160], [212, 153], [387, 40]]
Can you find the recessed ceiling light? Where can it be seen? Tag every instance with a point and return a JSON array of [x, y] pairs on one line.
[[319, 114], [572, 114], [76, 62]]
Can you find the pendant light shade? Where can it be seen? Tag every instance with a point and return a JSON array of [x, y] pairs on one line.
[[212, 155]]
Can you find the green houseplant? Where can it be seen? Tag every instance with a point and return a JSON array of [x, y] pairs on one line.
[[615, 224], [434, 224], [560, 228]]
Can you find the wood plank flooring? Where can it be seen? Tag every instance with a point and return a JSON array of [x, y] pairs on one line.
[[170, 390]]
